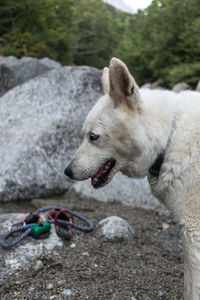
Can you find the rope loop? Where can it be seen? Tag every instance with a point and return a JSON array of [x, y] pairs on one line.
[[62, 218]]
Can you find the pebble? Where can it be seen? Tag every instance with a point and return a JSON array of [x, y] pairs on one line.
[[49, 286], [60, 283], [32, 288], [165, 226], [160, 293], [72, 245], [38, 266], [70, 273], [67, 292], [79, 269], [85, 254]]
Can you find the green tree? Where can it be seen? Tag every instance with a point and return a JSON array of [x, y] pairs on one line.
[[37, 28], [100, 27], [161, 38]]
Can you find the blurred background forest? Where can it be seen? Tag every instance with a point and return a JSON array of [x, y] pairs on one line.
[[162, 41]]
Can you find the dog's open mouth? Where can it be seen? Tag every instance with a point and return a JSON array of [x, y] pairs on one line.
[[102, 176]]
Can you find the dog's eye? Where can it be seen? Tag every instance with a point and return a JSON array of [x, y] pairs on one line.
[[94, 137]]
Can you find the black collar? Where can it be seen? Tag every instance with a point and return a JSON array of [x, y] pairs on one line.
[[156, 166]]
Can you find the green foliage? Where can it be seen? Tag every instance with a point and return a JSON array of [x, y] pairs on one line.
[[189, 73], [99, 30], [162, 41], [37, 28], [70, 31]]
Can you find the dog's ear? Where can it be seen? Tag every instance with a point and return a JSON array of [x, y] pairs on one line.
[[105, 80], [123, 87]]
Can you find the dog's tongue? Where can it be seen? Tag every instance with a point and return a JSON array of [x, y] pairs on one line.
[[101, 171]]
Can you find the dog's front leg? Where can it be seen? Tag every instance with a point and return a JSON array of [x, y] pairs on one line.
[[191, 248]]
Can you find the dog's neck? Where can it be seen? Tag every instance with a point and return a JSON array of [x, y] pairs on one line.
[[154, 130], [159, 117]]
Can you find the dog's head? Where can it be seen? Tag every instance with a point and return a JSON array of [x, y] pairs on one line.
[[113, 137]]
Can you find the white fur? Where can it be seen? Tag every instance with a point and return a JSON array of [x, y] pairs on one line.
[[134, 127]]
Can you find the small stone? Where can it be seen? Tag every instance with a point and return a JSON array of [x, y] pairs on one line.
[[115, 228], [31, 288], [160, 293], [49, 286], [38, 266], [85, 254], [53, 297], [72, 245], [60, 283], [79, 269], [165, 226], [70, 273], [67, 292]]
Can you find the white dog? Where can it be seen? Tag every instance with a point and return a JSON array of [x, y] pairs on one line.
[[154, 133]]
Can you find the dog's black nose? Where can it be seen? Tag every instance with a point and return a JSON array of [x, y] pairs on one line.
[[68, 171]]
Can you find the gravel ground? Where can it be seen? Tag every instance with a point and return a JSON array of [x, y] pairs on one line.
[[150, 266]]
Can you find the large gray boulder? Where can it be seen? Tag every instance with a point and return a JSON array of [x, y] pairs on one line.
[[15, 71], [40, 127]]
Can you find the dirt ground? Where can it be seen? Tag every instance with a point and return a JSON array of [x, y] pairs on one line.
[[150, 266]]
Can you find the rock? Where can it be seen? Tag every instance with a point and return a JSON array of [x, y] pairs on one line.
[[31, 288], [155, 85], [15, 71], [179, 87], [50, 63], [165, 226], [67, 292], [198, 87], [40, 127], [146, 86], [60, 283], [27, 251], [160, 293], [115, 228], [85, 254], [49, 286], [129, 191], [158, 84]]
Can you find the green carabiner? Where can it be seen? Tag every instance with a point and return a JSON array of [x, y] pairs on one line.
[[40, 230]]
